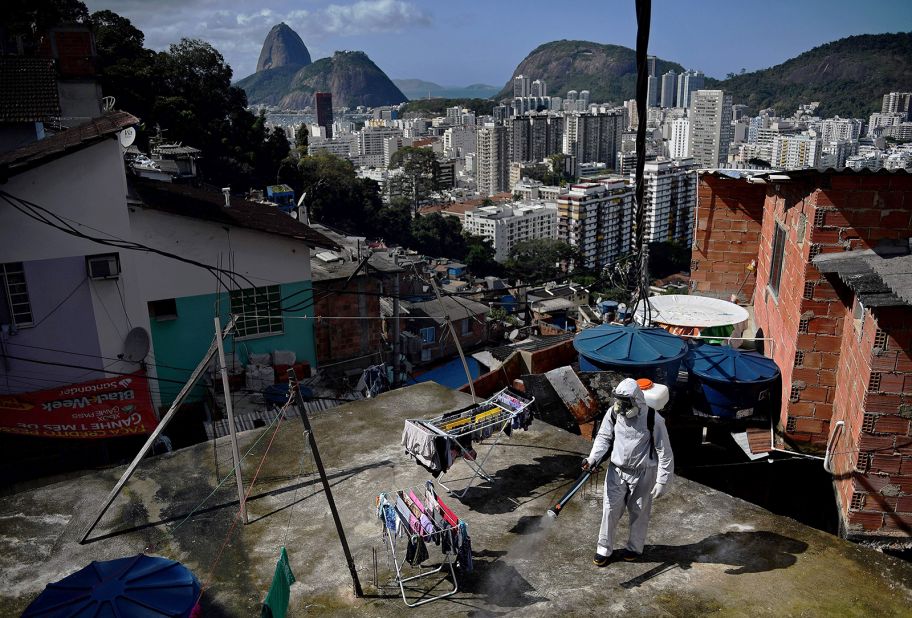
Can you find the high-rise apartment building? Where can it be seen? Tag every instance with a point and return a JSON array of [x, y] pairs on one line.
[[651, 65], [679, 144], [521, 86], [324, 105], [596, 218], [594, 137], [710, 127], [668, 89], [669, 199], [652, 91], [688, 83], [795, 152], [507, 225], [835, 129], [539, 88], [898, 103], [492, 160], [584, 98]]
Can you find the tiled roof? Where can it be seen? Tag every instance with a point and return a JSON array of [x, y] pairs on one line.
[[187, 201], [64, 142], [28, 89]]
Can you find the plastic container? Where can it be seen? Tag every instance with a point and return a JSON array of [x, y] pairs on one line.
[[632, 351], [728, 383], [656, 394]]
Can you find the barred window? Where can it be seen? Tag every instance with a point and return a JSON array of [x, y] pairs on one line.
[[778, 254], [15, 307], [257, 310]]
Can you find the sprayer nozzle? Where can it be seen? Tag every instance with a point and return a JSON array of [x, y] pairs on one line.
[[553, 514]]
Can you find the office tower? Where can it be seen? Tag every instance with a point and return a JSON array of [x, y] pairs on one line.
[[898, 103], [651, 65], [324, 103], [710, 127], [688, 82], [668, 89], [795, 152], [669, 199], [539, 88], [597, 218], [492, 162], [679, 144], [652, 91], [520, 86]]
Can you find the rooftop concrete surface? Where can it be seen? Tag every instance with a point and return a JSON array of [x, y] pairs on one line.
[[707, 552]]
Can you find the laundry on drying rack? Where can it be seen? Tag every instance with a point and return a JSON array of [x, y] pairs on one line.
[[431, 450]]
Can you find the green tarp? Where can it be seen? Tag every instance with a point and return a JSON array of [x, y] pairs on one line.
[[276, 603]]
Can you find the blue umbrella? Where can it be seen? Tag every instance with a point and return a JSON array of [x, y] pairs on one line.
[[140, 586]]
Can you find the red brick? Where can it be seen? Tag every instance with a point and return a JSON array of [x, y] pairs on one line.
[[814, 393], [868, 442], [870, 483], [894, 521], [892, 424], [826, 378], [806, 375], [829, 361], [824, 236], [896, 219], [868, 521], [809, 425], [889, 464], [906, 464], [877, 402], [892, 382], [903, 482], [904, 504], [823, 411], [827, 343], [822, 326]]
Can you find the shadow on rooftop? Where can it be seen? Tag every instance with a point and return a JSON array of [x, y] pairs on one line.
[[499, 583], [520, 481], [745, 552]]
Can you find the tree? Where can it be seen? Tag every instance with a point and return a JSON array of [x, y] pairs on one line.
[[479, 256], [438, 235], [301, 140], [419, 174], [541, 259], [25, 22], [394, 223], [336, 196], [667, 258]]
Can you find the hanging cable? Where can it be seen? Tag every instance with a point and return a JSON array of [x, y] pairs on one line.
[[644, 14]]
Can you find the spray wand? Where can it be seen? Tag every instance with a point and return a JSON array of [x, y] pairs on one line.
[[555, 510]]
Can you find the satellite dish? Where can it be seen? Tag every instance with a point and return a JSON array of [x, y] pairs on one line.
[[127, 137], [136, 345], [513, 334]]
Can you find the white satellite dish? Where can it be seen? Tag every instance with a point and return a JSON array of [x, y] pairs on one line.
[[136, 345], [513, 334], [127, 137]]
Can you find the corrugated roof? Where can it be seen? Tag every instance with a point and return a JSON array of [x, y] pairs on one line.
[[187, 201], [70, 140], [28, 89], [881, 277], [456, 308]]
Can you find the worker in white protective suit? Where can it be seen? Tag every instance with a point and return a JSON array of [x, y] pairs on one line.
[[641, 466]]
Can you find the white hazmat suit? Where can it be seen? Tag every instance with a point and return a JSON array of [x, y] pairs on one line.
[[635, 476]]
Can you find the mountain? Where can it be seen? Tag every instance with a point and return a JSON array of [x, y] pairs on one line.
[[351, 77], [420, 89], [282, 47], [608, 72], [849, 77]]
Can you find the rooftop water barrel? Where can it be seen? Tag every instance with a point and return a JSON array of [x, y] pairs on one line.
[[632, 350], [732, 384]]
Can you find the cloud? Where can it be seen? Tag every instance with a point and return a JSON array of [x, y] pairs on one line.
[[372, 16]]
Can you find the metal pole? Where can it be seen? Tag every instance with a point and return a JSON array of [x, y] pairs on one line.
[[397, 345], [235, 452], [449, 322], [158, 430], [293, 383]]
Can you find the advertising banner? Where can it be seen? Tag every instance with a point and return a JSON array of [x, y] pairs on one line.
[[107, 408]]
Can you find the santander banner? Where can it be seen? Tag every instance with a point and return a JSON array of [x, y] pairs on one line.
[[107, 408]]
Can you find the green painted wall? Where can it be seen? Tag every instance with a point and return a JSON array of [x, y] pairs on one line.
[[179, 344]]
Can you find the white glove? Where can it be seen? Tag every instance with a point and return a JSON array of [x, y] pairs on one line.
[[659, 490]]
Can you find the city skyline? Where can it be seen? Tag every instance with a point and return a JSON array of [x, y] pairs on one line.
[[483, 51]]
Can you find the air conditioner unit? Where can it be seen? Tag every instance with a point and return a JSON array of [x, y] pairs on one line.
[[103, 266]]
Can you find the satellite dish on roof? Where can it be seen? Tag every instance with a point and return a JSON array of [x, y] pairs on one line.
[[127, 137], [136, 345], [513, 334]]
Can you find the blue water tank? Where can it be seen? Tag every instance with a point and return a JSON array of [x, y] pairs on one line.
[[635, 351], [140, 585], [729, 383]]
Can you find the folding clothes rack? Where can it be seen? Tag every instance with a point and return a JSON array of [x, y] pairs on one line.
[[403, 524], [481, 421]]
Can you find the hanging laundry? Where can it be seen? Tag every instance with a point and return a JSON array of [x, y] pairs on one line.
[[464, 549], [276, 603], [416, 552]]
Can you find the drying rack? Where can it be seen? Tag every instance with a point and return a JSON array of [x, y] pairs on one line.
[[448, 557], [490, 417]]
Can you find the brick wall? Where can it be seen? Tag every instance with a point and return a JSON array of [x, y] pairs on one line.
[[340, 340], [729, 214], [443, 345]]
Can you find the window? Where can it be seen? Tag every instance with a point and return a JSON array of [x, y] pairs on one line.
[[426, 354], [15, 307], [161, 310], [427, 335], [778, 255], [858, 317], [257, 310], [466, 327]]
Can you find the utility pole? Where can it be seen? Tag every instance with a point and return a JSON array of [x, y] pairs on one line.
[[229, 408], [449, 322], [293, 384], [397, 344]]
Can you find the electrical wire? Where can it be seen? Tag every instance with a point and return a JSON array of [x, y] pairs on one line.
[[60, 304]]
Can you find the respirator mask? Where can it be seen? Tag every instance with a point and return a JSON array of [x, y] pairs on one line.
[[625, 406]]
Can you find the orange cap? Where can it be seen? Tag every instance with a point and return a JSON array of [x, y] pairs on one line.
[[644, 383]]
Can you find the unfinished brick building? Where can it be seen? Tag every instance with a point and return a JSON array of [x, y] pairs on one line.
[[834, 292]]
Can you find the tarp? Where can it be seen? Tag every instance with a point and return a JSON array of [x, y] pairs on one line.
[[106, 408], [139, 585], [276, 603]]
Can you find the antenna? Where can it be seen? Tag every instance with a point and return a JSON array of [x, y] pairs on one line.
[[136, 345], [107, 104]]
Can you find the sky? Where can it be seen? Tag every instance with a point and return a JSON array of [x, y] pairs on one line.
[[482, 41]]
